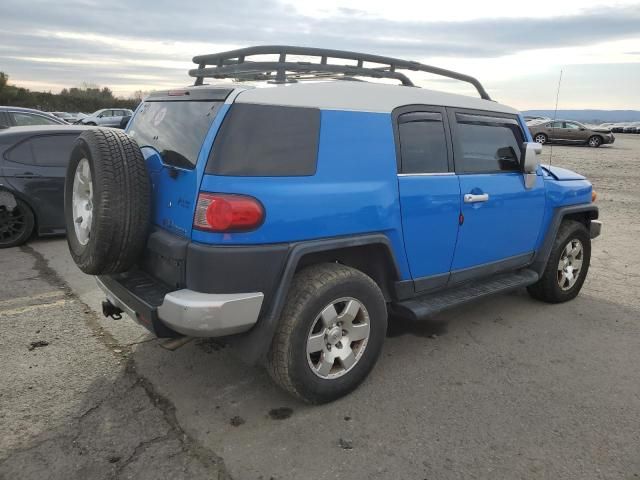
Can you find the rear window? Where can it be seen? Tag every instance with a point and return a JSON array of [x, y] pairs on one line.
[[175, 129], [266, 141], [44, 151]]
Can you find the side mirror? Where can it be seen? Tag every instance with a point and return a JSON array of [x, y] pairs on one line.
[[531, 163], [531, 152]]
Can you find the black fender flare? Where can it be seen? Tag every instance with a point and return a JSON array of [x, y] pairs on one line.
[[541, 257], [254, 345]]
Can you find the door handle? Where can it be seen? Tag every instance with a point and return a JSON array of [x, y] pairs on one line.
[[471, 198]]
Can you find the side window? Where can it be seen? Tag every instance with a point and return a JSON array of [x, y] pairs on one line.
[[4, 120], [573, 126], [52, 150], [487, 147], [26, 119], [556, 125], [266, 140], [44, 151], [423, 147], [21, 153]]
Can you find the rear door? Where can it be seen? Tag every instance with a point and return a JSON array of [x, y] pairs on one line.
[[576, 132], [429, 194], [501, 217], [558, 131], [36, 167], [171, 131]]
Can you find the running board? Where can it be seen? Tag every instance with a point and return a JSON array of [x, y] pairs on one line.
[[424, 306]]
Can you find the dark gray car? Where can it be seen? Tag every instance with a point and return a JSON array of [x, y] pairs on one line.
[[21, 117], [33, 163]]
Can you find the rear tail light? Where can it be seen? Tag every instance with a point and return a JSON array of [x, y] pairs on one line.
[[218, 212]]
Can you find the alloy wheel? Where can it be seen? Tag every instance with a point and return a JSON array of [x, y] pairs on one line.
[[338, 338], [570, 264]]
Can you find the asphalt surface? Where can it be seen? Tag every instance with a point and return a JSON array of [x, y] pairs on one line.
[[508, 388]]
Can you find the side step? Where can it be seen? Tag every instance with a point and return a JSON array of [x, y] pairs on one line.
[[422, 307]]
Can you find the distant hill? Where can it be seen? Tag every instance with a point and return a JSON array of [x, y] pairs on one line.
[[590, 116]]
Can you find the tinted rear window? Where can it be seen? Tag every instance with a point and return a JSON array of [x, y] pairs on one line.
[[175, 129], [266, 140]]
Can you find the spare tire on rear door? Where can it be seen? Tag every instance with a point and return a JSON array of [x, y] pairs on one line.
[[106, 201]]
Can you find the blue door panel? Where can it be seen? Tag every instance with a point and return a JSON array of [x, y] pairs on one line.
[[504, 226], [430, 212]]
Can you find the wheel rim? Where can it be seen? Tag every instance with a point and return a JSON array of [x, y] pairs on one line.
[[594, 142], [13, 223], [82, 201], [570, 264], [338, 337], [540, 139]]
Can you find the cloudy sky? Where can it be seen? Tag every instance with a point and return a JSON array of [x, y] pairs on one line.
[[516, 49]]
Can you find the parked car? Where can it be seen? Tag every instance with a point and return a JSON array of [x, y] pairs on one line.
[[70, 117], [536, 118], [567, 131], [33, 163], [633, 127], [125, 121], [107, 117], [291, 219], [20, 117], [618, 127]]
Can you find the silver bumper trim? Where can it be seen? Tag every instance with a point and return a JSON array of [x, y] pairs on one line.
[[210, 314], [202, 314], [594, 228]]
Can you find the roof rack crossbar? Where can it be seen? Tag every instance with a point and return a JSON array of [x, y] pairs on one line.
[[234, 64]]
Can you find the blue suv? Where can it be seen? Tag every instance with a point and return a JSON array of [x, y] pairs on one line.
[[292, 210]]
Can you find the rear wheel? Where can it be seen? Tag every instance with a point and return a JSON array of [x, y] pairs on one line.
[[330, 333], [567, 266], [16, 224], [541, 138], [595, 141]]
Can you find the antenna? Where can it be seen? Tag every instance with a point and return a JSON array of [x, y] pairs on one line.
[[555, 114]]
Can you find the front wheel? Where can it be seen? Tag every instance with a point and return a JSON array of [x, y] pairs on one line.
[[567, 266], [595, 141], [541, 138], [330, 333]]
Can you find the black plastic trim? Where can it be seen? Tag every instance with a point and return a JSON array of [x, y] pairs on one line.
[[491, 268], [539, 262], [254, 345]]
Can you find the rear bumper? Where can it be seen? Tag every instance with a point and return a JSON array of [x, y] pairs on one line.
[[183, 311]]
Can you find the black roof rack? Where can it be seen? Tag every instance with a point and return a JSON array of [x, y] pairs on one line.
[[234, 64]]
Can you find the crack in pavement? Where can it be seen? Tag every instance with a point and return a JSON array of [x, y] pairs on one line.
[[132, 420]]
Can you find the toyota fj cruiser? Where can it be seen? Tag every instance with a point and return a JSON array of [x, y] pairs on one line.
[[292, 214]]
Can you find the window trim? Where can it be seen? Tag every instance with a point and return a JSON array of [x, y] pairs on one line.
[[420, 108], [487, 117]]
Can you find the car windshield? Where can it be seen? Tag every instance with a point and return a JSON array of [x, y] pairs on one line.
[[175, 129]]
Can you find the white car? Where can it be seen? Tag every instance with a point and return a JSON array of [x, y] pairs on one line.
[[108, 117]]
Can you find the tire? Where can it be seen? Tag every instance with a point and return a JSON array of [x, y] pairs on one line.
[[594, 141], [107, 215], [541, 138], [92, 124], [16, 226], [548, 288], [313, 291]]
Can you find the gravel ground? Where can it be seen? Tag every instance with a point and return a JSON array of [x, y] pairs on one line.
[[509, 388]]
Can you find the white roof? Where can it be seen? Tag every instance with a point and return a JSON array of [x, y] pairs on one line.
[[360, 96]]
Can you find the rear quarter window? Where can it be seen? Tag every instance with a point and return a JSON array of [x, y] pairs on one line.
[[266, 140]]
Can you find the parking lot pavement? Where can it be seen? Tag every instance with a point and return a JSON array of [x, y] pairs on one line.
[[511, 388]]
